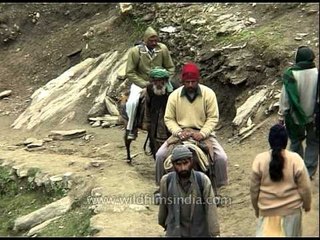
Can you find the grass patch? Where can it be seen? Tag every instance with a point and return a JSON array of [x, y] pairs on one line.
[[13, 206], [266, 36], [19, 197], [75, 223]]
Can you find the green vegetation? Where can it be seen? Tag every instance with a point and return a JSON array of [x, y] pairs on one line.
[[74, 223], [263, 37], [19, 197], [13, 206]]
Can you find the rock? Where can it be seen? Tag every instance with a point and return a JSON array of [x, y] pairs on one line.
[[41, 226], [198, 22], [138, 208], [67, 117], [302, 34], [96, 124], [252, 20], [224, 17], [22, 173], [69, 91], [97, 192], [106, 124], [29, 140], [66, 135], [210, 54], [169, 29], [259, 68], [98, 109], [67, 175], [20, 170], [46, 139], [111, 106], [125, 7], [87, 137], [41, 215], [148, 17], [235, 80], [298, 38], [57, 178], [273, 106], [97, 163], [245, 109], [277, 96], [312, 11], [107, 118], [35, 149], [5, 93], [34, 144], [246, 129]]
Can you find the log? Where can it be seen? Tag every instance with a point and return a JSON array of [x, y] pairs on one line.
[[254, 129]]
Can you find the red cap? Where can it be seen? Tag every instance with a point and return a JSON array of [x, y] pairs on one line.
[[190, 71]]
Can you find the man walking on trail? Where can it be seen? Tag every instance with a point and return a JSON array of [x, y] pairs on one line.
[[297, 105], [194, 106], [156, 98], [187, 205], [141, 59]]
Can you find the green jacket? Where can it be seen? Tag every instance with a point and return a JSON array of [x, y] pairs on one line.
[[139, 63]]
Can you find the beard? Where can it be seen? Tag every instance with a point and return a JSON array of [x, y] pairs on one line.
[[159, 92], [184, 174]]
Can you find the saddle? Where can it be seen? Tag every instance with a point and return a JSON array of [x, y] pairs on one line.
[[202, 151], [205, 145], [201, 157]]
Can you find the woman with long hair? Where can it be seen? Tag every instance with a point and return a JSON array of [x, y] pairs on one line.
[[280, 188]]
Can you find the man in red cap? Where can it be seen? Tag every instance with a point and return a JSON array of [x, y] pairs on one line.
[[193, 106]]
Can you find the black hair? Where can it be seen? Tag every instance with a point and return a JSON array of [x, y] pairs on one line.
[[278, 139]]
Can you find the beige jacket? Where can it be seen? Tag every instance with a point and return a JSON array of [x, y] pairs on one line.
[[280, 198], [201, 114]]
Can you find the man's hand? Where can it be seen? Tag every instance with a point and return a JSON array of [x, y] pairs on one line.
[[183, 135], [197, 136], [307, 209]]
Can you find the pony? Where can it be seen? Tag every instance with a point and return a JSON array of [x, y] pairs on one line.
[[203, 158]]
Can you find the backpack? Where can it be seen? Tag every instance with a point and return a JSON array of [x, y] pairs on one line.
[[198, 179]]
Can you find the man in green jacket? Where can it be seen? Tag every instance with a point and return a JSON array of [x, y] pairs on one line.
[[141, 59], [297, 107]]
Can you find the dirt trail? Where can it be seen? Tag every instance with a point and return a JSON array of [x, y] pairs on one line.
[[135, 183]]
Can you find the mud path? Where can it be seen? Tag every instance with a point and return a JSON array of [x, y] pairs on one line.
[[123, 193]]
